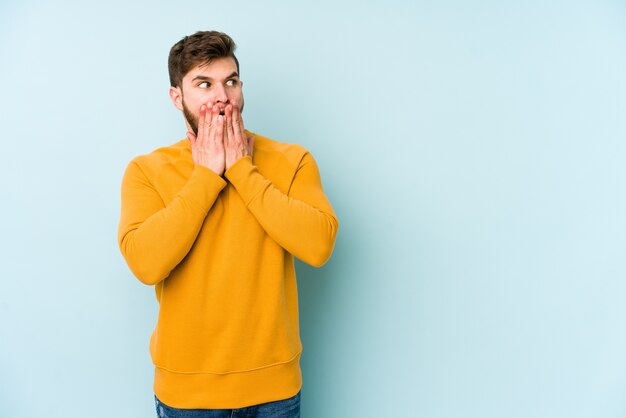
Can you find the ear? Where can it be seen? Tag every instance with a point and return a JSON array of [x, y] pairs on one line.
[[176, 95]]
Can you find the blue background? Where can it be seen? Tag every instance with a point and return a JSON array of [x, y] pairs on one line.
[[474, 153]]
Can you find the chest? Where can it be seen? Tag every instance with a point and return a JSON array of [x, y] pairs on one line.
[[229, 206]]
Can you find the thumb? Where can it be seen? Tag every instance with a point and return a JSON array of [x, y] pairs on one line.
[[192, 138], [251, 143]]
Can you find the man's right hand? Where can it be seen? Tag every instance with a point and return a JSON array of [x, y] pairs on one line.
[[207, 149]]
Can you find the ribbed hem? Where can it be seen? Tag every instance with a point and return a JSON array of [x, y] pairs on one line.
[[228, 391]]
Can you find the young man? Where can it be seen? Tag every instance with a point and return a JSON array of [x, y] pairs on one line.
[[214, 222]]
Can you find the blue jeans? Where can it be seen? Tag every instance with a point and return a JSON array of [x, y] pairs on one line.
[[287, 408]]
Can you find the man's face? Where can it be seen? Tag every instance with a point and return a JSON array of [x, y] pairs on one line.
[[208, 84]]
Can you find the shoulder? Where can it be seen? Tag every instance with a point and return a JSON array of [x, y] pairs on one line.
[[162, 156], [269, 149]]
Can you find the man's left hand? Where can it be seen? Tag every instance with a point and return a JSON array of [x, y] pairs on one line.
[[236, 144]]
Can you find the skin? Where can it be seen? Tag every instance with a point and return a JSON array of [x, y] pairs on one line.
[[211, 99]]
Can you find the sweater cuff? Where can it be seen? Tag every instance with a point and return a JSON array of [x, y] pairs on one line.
[[239, 174], [202, 188]]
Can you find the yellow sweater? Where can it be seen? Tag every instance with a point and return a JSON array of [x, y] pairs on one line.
[[220, 252]]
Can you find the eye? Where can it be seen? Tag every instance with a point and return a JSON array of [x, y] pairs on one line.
[[204, 85], [232, 82]]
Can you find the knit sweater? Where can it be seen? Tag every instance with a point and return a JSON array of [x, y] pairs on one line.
[[220, 252]]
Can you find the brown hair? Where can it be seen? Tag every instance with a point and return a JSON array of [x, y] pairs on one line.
[[197, 49]]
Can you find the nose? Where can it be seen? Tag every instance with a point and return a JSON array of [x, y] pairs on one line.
[[220, 94]]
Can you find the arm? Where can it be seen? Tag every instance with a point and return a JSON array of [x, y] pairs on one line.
[[153, 237], [302, 222]]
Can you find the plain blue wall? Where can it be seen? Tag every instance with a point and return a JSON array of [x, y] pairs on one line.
[[474, 152]]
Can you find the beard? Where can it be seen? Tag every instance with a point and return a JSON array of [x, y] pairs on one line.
[[192, 119]]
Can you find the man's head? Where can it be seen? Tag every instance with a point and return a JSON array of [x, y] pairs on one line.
[[203, 69]]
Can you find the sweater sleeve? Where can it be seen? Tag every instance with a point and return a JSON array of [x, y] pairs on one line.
[[153, 237], [302, 222]]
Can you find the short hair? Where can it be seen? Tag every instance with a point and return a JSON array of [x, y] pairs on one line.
[[198, 49]]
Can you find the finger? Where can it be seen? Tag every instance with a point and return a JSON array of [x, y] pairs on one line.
[[205, 117], [200, 124], [238, 132], [242, 133], [219, 129], [208, 125], [228, 112], [240, 122], [215, 114], [236, 117]]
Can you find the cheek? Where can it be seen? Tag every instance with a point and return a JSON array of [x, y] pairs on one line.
[[195, 101], [236, 98]]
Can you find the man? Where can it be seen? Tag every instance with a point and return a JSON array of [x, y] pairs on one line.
[[214, 222]]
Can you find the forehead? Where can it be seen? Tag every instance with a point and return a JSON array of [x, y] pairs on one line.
[[216, 69]]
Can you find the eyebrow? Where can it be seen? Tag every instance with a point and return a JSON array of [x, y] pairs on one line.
[[203, 77]]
